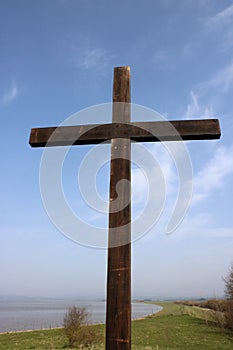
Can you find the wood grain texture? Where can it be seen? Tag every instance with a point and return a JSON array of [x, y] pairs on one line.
[[118, 313], [120, 133], [176, 130]]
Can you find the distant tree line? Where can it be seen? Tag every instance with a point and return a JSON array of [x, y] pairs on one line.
[[222, 309]]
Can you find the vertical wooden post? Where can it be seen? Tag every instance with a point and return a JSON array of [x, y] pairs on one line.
[[118, 316]]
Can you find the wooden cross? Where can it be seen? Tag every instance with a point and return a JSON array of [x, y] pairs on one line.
[[120, 132]]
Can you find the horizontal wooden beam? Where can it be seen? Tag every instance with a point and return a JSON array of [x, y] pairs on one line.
[[204, 129]]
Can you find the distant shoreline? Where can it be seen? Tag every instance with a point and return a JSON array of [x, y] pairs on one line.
[[31, 330], [90, 324], [31, 316]]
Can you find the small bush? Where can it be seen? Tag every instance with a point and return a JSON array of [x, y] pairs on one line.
[[88, 336], [229, 314], [228, 311], [73, 320], [229, 283], [212, 304], [76, 329]]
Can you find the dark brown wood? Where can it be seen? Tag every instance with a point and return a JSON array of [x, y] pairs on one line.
[[118, 313], [202, 129], [120, 132]]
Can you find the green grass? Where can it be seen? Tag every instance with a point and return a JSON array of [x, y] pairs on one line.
[[175, 327], [42, 339]]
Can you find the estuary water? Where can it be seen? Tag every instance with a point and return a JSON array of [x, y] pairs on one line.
[[29, 314]]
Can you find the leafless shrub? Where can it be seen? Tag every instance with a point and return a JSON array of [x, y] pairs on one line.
[[229, 284], [229, 314], [76, 329], [212, 304]]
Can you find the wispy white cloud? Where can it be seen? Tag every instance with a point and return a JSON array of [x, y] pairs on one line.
[[220, 232], [139, 186], [162, 58], [214, 175], [90, 57], [201, 226], [205, 96], [11, 93], [221, 17], [169, 186], [196, 110], [93, 58], [223, 22], [166, 164], [222, 80]]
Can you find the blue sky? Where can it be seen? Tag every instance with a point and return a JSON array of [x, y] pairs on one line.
[[57, 57]]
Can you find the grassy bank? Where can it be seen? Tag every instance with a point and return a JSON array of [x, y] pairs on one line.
[[175, 327]]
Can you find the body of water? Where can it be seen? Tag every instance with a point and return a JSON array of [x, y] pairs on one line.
[[16, 315]]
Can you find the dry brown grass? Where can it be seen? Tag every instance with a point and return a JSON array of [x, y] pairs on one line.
[[222, 310]]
